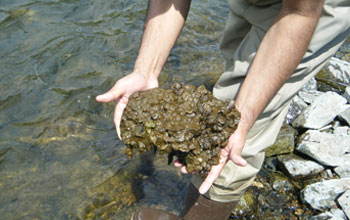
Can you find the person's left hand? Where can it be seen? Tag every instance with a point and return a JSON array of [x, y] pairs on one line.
[[232, 151]]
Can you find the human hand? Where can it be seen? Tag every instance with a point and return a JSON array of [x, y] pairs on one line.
[[122, 90], [232, 151]]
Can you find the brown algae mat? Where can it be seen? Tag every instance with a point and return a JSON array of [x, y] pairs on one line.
[[184, 121]]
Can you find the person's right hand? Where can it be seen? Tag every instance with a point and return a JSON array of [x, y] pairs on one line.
[[122, 90]]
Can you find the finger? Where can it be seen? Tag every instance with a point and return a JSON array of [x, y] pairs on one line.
[[111, 95], [119, 108], [212, 176], [235, 148], [238, 159], [184, 170], [177, 163]]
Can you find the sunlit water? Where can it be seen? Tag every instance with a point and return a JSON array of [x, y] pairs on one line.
[[59, 155]]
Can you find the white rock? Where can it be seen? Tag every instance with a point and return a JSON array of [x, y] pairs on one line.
[[343, 170], [347, 93], [344, 202], [299, 167], [345, 116], [333, 214], [339, 69], [309, 96], [326, 148], [310, 85], [322, 216], [338, 214], [322, 195], [344, 130], [296, 107], [322, 111]]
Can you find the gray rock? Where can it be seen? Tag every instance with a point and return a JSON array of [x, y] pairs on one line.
[[3, 16], [339, 69], [333, 214], [345, 116], [347, 93], [310, 85], [322, 216], [344, 170], [296, 107], [344, 130], [322, 111], [309, 96], [322, 195], [326, 148], [344, 202], [298, 167]]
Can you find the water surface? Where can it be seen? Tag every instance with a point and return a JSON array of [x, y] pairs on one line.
[[59, 155]]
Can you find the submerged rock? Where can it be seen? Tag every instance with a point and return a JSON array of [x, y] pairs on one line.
[[284, 142], [185, 121]]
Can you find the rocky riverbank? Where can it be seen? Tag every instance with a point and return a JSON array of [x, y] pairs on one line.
[[306, 174]]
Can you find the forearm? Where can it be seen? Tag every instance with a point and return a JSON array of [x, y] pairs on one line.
[[279, 54], [164, 22]]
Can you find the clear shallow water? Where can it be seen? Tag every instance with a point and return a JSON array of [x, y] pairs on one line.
[[59, 155]]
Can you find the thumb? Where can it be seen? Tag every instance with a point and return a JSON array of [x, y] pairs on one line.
[[213, 174], [111, 95]]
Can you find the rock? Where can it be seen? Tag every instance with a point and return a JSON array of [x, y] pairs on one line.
[[281, 183], [322, 195], [298, 167], [284, 142], [345, 116], [347, 94], [344, 202], [322, 111], [310, 85], [296, 107], [344, 130], [344, 170], [339, 69], [333, 214], [322, 216], [3, 16], [309, 96], [326, 148]]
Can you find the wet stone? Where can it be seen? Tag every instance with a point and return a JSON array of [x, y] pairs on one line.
[[185, 122], [284, 142]]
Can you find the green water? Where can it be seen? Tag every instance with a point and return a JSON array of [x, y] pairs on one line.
[[59, 155]]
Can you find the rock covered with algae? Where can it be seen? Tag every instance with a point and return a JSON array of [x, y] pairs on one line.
[[185, 121]]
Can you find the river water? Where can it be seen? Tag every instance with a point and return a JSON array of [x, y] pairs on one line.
[[59, 155]]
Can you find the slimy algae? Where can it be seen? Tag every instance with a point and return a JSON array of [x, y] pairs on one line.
[[185, 121]]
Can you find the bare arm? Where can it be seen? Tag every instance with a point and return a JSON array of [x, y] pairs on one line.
[[164, 22], [163, 25], [278, 55]]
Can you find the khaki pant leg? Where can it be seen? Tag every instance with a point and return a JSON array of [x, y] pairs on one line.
[[329, 35]]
